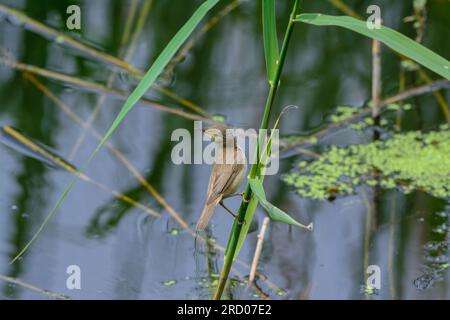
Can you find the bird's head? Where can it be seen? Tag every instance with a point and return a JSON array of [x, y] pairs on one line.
[[216, 133]]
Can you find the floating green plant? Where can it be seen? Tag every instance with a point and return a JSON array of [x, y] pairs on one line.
[[409, 161], [343, 113], [170, 283]]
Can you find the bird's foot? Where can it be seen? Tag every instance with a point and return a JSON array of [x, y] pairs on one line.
[[241, 194]]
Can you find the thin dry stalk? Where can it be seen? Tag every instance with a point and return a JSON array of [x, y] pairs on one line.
[[401, 88], [437, 95], [25, 285], [96, 87], [61, 38], [376, 116], [72, 169], [376, 81], [259, 245]]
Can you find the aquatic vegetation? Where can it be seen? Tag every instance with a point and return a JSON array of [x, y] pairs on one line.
[[344, 113], [369, 291], [408, 161], [169, 283]]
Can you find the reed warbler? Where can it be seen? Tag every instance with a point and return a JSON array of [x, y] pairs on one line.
[[228, 172]]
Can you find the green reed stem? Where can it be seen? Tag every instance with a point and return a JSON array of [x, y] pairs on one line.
[[248, 198]]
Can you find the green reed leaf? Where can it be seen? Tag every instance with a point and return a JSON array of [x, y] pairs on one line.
[[273, 212], [393, 39], [270, 38], [152, 74]]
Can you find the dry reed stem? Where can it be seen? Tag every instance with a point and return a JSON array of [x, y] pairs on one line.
[[258, 250], [25, 285]]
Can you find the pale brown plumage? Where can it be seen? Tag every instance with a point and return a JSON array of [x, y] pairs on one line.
[[226, 176]]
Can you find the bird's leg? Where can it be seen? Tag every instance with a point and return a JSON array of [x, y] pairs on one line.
[[229, 211]]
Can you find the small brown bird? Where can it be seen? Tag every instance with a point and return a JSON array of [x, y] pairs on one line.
[[227, 173]]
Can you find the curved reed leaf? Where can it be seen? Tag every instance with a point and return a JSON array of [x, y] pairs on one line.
[[262, 163], [155, 70], [273, 212], [391, 38]]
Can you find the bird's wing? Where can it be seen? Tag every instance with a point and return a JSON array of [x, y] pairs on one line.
[[222, 176]]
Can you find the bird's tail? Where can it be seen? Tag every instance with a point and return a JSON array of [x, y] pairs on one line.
[[207, 213]]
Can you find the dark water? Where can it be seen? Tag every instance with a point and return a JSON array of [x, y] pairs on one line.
[[122, 251]]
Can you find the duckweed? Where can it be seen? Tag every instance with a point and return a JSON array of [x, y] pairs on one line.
[[409, 161], [169, 283], [343, 113]]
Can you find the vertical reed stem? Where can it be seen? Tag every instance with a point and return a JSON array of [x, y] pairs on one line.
[[248, 197], [376, 86], [257, 254]]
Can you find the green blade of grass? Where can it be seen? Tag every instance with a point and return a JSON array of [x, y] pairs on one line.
[[273, 212], [159, 64], [155, 70], [391, 38], [270, 38]]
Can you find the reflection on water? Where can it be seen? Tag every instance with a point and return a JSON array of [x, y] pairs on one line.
[[122, 251], [436, 260]]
